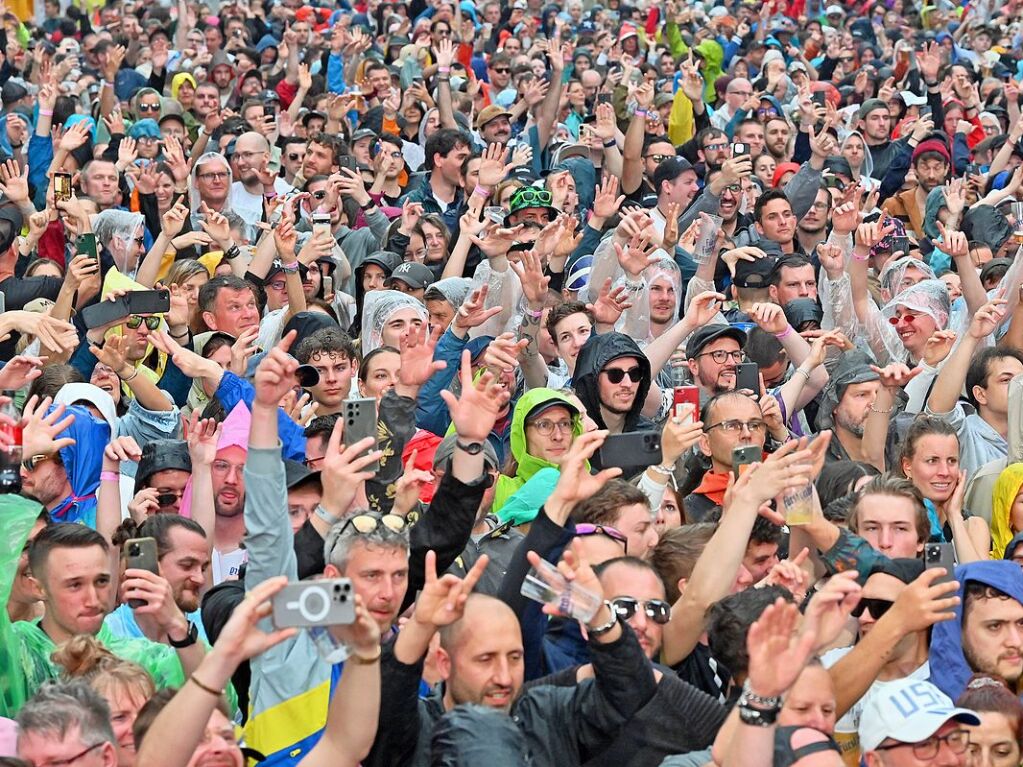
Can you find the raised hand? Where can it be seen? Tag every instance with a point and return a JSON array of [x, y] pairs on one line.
[[241, 638], [14, 182], [988, 318], [442, 599], [40, 430], [607, 201], [275, 375], [610, 304], [417, 362], [777, 652], [896, 376], [637, 256], [531, 277], [475, 410], [493, 169], [472, 313], [575, 482], [832, 259], [202, 436], [20, 371]]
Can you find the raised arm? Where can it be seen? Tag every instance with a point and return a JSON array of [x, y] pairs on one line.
[[949, 384]]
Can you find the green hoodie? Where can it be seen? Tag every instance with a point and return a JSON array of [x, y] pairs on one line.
[[528, 464]]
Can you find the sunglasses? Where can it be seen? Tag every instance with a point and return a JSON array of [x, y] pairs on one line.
[[531, 195], [149, 107], [502, 70], [656, 610], [294, 156], [877, 607], [585, 530], [617, 375], [30, 463], [166, 499], [135, 321], [368, 523], [659, 158], [910, 318]]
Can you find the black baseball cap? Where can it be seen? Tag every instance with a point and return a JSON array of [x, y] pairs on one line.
[[296, 474], [413, 274], [669, 169], [709, 333], [755, 273]]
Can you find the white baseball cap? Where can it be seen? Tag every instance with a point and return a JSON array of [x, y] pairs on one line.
[[908, 711]]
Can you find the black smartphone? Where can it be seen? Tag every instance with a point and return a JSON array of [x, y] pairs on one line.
[[740, 150], [635, 448], [603, 98], [747, 376], [148, 301], [972, 169], [900, 245], [360, 416], [141, 554], [269, 110], [940, 555], [744, 456], [86, 245], [347, 161], [819, 98], [136, 302]]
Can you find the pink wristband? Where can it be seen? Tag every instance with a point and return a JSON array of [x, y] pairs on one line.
[[109, 476], [860, 258], [481, 191], [46, 113], [784, 334], [443, 70]]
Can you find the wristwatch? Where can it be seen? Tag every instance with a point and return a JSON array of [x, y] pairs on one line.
[[233, 252], [597, 631], [191, 637], [472, 448]]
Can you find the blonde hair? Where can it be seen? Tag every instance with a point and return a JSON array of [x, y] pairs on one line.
[[83, 657]]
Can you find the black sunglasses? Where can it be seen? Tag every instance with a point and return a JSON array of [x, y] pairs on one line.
[[656, 610], [617, 375], [294, 156], [877, 607]]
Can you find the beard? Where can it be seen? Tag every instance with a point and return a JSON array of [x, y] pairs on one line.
[[856, 429], [986, 666]]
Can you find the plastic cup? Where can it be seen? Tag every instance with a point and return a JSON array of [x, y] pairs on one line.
[[1017, 214], [706, 243], [545, 584], [797, 503]]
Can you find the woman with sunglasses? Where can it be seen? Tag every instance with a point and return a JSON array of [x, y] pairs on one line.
[[930, 460]]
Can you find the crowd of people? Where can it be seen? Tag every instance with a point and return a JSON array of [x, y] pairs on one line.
[[644, 380]]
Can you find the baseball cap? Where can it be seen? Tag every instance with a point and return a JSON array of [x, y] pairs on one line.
[[296, 474], [413, 274], [710, 333], [992, 267], [363, 133], [755, 273], [446, 448], [909, 711], [869, 106], [835, 10], [489, 113], [544, 405], [669, 169]]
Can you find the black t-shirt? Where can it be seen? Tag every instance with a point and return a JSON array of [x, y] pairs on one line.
[[309, 551]]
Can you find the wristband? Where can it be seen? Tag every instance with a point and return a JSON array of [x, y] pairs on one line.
[[610, 143], [233, 252], [291, 268], [443, 70], [176, 336], [326, 516], [860, 258], [205, 687], [785, 333], [931, 85], [481, 191], [109, 476], [45, 112], [105, 84], [640, 113], [360, 661], [531, 313]]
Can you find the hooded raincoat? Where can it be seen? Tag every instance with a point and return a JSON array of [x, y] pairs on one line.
[[380, 306], [1007, 487]]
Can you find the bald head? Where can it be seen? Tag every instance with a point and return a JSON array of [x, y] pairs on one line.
[[738, 90], [252, 142], [482, 613], [251, 155]]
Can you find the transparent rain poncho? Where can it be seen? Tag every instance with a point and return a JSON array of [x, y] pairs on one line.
[[454, 289], [379, 307], [635, 321], [894, 273], [125, 226]]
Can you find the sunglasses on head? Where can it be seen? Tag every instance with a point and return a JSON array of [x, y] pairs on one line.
[[135, 321], [877, 607], [368, 523], [585, 530], [617, 375], [656, 610]]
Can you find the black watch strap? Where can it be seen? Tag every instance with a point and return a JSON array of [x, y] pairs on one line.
[[472, 448], [190, 638]]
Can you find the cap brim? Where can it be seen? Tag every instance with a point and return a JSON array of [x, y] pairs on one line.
[[313, 476], [542, 407], [925, 724], [726, 332]]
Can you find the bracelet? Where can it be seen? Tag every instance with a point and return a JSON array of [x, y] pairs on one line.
[[291, 268], [360, 661], [785, 333], [109, 476], [860, 258], [531, 313], [177, 336], [130, 378], [634, 287], [233, 252], [640, 113], [596, 631], [664, 471], [881, 412], [105, 84], [368, 205], [610, 143], [749, 697], [443, 70], [481, 191], [205, 687], [45, 112], [805, 374]]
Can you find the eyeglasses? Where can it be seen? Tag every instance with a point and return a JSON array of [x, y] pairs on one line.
[[744, 94], [314, 463], [732, 425], [617, 375], [71, 759], [877, 607], [223, 467], [135, 321], [213, 175], [715, 147], [531, 195], [546, 428], [32, 462], [277, 284], [734, 189], [721, 356], [443, 32], [149, 107], [656, 610], [368, 523], [957, 741], [502, 70], [659, 158], [767, 112], [585, 530]]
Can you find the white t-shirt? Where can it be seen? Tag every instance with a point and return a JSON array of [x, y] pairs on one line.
[[227, 566]]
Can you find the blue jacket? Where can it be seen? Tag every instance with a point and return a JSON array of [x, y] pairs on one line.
[[82, 462], [949, 668]]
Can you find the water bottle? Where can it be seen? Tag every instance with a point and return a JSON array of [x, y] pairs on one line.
[[10, 446]]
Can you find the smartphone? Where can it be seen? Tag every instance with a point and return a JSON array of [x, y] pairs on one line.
[[136, 302], [269, 110], [819, 98], [321, 222], [148, 301], [3, 302], [494, 213], [744, 456], [687, 395], [740, 150], [360, 416], [900, 245], [603, 98], [747, 376], [314, 603], [61, 186], [972, 169], [940, 555], [86, 245], [328, 286], [347, 161], [141, 554], [635, 448]]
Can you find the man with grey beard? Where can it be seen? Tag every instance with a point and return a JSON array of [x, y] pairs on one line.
[[846, 403]]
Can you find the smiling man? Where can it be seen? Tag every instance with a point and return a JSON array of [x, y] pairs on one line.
[[712, 354], [333, 355]]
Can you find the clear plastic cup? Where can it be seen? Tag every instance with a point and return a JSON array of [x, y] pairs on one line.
[[706, 243], [545, 584], [797, 503], [1017, 229]]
